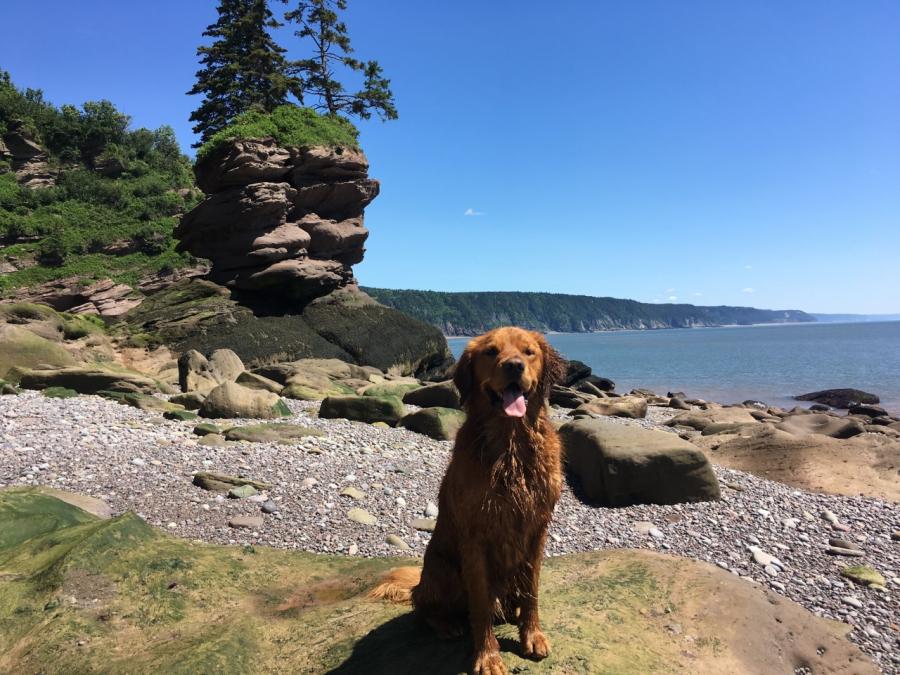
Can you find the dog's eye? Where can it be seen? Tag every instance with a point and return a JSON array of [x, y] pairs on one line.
[[492, 351], [529, 352]]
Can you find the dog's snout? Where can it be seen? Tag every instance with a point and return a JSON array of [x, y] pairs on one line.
[[514, 367]]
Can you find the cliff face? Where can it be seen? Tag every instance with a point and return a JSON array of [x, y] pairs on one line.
[[29, 160], [280, 221]]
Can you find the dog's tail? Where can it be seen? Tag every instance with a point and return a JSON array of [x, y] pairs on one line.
[[396, 585]]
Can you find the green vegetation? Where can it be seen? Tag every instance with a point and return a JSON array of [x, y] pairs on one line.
[[59, 392], [474, 313], [116, 200], [289, 126], [243, 68]]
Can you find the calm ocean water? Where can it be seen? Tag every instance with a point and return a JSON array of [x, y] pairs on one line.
[[770, 363]]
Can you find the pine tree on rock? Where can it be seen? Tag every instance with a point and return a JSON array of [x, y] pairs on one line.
[[319, 21], [243, 69]]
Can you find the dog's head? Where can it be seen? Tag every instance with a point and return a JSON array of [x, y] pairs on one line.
[[508, 370]]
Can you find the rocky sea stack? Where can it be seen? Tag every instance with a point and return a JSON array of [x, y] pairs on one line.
[[280, 220]]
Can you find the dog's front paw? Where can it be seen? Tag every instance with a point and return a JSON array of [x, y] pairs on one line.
[[489, 663], [535, 644]]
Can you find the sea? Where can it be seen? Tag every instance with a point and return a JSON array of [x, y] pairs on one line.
[[771, 362]]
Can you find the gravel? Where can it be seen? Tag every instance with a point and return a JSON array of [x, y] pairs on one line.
[[768, 533]]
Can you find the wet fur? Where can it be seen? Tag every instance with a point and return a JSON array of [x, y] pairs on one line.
[[495, 503]]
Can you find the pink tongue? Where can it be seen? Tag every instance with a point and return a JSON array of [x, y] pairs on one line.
[[513, 403]]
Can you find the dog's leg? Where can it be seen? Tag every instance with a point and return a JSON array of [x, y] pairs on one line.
[[439, 598], [481, 612], [534, 643]]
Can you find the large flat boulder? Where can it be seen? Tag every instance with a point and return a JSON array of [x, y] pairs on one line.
[[619, 465], [195, 608], [21, 348], [437, 395], [633, 407], [700, 419], [839, 398], [88, 380], [821, 423], [370, 409]]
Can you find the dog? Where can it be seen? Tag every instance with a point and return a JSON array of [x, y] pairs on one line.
[[483, 561]]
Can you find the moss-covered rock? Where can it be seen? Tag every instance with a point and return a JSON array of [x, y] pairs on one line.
[[88, 380], [863, 574], [231, 400], [388, 409], [398, 389], [83, 595], [22, 349], [198, 314], [220, 482], [59, 392], [180, 415], [438, 423]]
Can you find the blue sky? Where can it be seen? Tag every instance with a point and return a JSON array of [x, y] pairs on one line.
[[705, 152]]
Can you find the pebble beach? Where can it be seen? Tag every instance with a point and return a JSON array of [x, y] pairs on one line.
[[364, 490]]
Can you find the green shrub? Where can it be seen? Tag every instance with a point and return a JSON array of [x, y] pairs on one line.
[[59, 392], [289, 125]]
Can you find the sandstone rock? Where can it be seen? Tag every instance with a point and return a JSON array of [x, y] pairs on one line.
[[398, 388], [700, 419], [88, 380], [242, 162], [566, 397], [438, 395], [363, 409], [191, 400], [21, 348], [439, 423], [678, 404], [575, 371], [231, 400], [195, 374], [254, 381], [105, 297], [327, 162], [867, 410], [271, 433], [634, 407], [619, 465], [246, 522], [821, 423], [220, 482], [225, 365], [839, 398]]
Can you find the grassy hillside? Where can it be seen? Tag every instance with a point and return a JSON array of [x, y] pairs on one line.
[[117, 198], [473, 313]]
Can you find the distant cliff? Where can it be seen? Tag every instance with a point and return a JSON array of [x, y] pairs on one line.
[[473, 313]]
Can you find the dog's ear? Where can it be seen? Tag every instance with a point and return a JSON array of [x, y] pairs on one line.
[[463, 376], [554, 368]]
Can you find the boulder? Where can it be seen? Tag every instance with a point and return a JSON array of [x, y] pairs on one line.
[[242, 162], [621, 465], [232, 400], [566, 397], [821, 423], [437, 395], [369, 409], [398, 388], [191, 400], [220, 482], [677, 403], [602, 383], [634, 407], [195, 374], [867, 410], [839, 398], [586, 387], [271, 433], [439, 423], [254, 381], [225, 365], [575, 371], [88, 380], [700, 419]]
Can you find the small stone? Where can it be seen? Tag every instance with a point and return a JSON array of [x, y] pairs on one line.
[[361, 516], [771, 570], [397, 542], [353, 550], [137, 461], [431, 510], [790, 523], [424, 524], [655, 533], [172, 526], [246, 522], [848, 552], [401, 502], [843, 543], [895, 535], [353, 493], [307, 483], [763, 558], [853, 601], [829, 516], [840, 527], [269, 506], [643, 526], [242, 492]]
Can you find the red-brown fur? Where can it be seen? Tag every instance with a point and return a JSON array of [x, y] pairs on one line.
[[495, 504]]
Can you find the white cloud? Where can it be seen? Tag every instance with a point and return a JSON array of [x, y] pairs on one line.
[[748, 267], [656, 300], [673, 298], [748, 290], [473, 212], [669, 291], [697, 294]]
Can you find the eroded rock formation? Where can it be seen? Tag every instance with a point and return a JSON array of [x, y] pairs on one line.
[[29, 160], [287, 221]]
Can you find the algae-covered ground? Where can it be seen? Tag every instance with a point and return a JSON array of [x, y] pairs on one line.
[[79, 594]]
